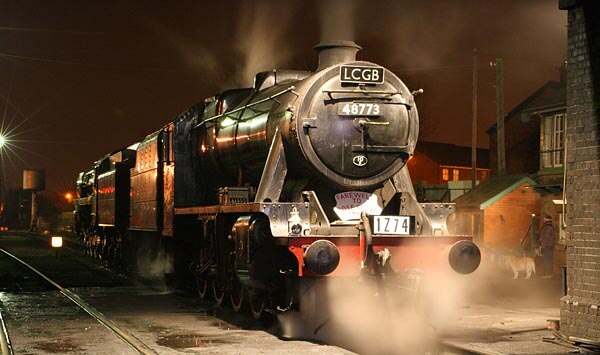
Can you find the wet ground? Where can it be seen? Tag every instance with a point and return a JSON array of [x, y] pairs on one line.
[[486, 312], [42, 321]]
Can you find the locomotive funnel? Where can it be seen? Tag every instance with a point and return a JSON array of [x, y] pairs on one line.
[[336, 52]]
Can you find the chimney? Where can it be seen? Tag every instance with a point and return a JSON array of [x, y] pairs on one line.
[[563, 74], [336, 52]]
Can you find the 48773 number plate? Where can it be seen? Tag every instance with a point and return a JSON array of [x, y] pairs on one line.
[[359, 109], [391, 225]]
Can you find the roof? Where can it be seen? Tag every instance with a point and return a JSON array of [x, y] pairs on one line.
[[556, 98], [491, 190], [453, 155]]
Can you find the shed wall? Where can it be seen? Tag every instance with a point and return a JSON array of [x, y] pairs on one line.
[[507, 220]]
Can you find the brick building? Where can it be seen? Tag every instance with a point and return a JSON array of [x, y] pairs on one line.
[[532, 125], [535, 137], [580, 308], [535, 131], [442, 171], [437, 163], [498, 212]]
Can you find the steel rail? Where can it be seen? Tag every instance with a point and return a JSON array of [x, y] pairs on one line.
[[464, 349], [125, 336], [5, 345]]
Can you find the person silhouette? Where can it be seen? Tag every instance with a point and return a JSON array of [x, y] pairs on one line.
[[547, 242]]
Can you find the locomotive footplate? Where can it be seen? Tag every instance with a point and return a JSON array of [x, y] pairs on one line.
[[217, 209], [286, 219]]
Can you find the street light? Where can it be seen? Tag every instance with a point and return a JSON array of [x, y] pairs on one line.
[[2, 142], [56, 243]]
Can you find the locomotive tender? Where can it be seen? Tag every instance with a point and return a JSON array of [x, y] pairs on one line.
[[302, 175]]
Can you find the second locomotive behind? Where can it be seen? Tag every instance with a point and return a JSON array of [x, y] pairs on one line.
[[302, 175]]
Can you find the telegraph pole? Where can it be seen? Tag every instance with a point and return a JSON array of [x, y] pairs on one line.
[[474, 124], [500, 115]]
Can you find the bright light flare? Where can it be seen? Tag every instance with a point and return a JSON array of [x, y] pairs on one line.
[[56, 242], [2, 140], [68, 196]]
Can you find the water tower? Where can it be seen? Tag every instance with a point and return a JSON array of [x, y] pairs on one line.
[[34, 180]]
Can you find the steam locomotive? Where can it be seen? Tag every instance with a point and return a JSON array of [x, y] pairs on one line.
[[248, 192]]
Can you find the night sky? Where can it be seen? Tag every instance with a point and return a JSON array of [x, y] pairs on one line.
[[79, 79]]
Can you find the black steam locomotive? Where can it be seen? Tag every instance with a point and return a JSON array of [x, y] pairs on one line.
[[301, 176]]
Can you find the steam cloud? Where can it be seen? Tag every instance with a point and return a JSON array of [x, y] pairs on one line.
[[261, 38]]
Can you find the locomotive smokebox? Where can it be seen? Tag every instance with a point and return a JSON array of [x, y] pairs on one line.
[[336, 52]]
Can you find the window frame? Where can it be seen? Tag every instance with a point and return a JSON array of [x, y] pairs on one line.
[[455, 175], [552, 140]]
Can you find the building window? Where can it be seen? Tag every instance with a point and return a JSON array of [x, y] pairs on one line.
[[455, 174], [552, 140], [444, 174]]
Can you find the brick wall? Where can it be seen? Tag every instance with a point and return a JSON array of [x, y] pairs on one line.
[[519, 137], [580, 315], [508, 219], [522, 135], [423, 169]]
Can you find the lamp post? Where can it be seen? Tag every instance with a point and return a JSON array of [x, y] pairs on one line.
[[2, 142]]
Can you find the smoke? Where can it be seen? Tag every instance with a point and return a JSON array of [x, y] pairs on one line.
[[155, 267], [412, 314], [419, 39], [430, 43], [366, 319], [195, 56], [261, 38], [391, 320], [337, 19]]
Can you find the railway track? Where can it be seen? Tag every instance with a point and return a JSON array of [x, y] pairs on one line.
[[452, 348], [127, 338]]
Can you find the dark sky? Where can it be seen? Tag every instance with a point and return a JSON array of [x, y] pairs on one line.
[[79, 79]]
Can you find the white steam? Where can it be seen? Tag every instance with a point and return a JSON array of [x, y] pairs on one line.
[[189, 48], [363, 318], [261, 37]]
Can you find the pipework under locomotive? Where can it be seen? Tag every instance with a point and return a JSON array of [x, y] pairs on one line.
[[302, 175]]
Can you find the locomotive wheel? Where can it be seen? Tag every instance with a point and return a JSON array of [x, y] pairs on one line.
[[202, 287], [257, 304], [218, 292], [237, 296]]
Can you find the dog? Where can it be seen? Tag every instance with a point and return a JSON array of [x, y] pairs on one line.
[[516, 264], [520, 264]]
